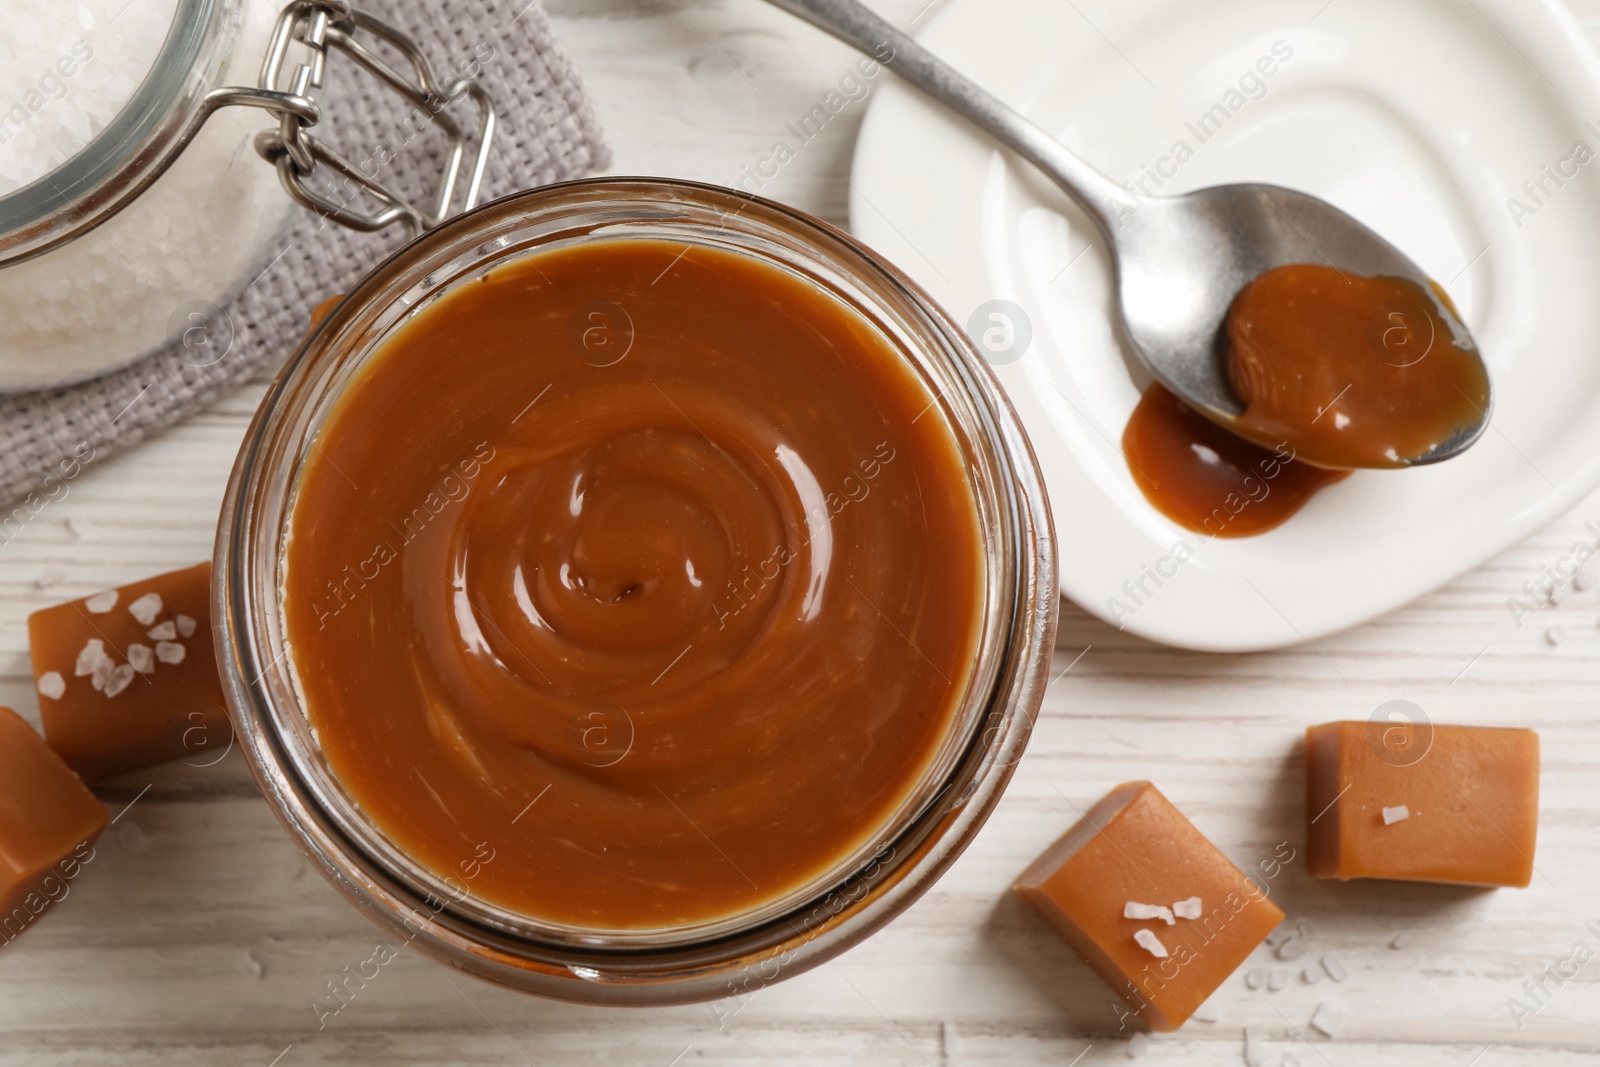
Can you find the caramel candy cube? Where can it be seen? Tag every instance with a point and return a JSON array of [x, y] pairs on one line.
[[1422, 803], [128, 677], [1121, 885], [48, 821]]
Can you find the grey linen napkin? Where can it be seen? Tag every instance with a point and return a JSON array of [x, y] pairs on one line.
[[548, 132]]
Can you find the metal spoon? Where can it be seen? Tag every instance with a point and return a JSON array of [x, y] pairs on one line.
[[1179, 260]]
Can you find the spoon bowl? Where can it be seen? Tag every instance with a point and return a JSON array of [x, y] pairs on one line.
[[1179, 260]]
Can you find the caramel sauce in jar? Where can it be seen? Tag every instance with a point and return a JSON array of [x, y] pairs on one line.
[[635, 585]]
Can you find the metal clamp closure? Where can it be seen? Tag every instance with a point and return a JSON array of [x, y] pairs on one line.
[[324, 25]]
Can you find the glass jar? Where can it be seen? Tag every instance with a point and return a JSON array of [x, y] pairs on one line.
[[103, 257], [735, 954]]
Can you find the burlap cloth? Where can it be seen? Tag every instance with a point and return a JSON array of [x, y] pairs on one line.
[[548, 132]]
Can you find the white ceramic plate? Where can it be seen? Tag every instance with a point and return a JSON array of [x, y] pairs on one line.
[[1421, 119]]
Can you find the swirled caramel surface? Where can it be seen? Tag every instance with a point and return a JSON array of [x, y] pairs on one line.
[[634, 586]]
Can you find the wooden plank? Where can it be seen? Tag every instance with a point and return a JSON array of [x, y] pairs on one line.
[[198, 935]]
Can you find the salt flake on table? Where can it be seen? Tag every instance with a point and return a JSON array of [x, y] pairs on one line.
[[146, 608], [1278, 980], [1137, 1046], [1328, 1018], [1135, 910], [52, 685], [1334, 966], [1255, 1055], [101, 603], [169, 652], [1257, 978], [167, 631], [1395, 814], [1294, 948], [1150, 943], [1187, 909], [131, 836], [1297, 940], [1311, 975]]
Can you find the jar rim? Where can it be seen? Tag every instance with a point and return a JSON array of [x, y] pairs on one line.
[[1015, 645], [136, 146]]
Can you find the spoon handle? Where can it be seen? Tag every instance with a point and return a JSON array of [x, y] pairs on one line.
[[863, 30]]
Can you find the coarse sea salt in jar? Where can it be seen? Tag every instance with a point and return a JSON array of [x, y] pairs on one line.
[[132, 204], [201, 231], [66, 69]]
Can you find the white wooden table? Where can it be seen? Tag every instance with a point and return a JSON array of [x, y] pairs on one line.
[[198, 936]]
